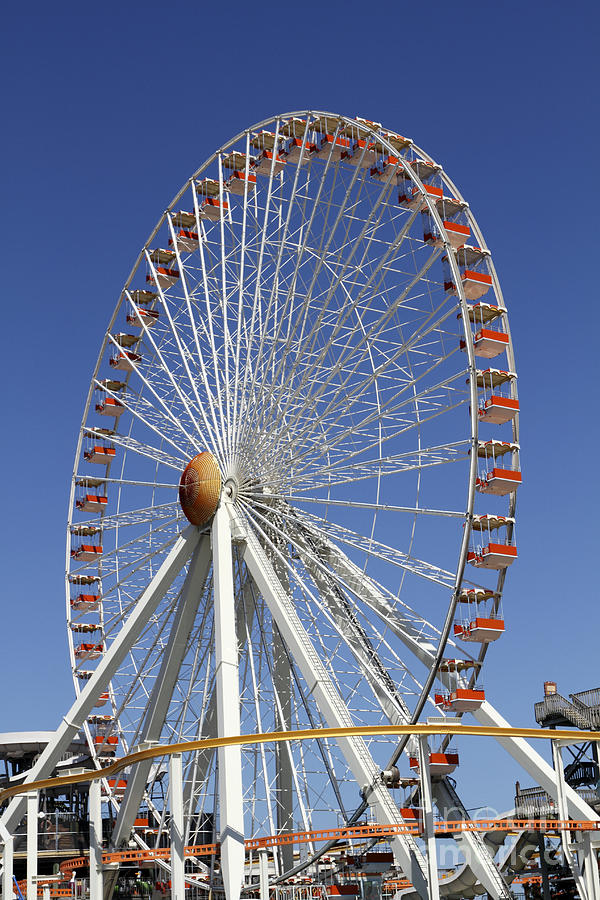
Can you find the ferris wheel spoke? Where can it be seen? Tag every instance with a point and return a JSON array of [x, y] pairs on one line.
[[247, 392], [135, 516], [166, 368], [143, 449], [324, 531], [259, 265], [125, 573], [357, 504], [215, 404], [166, 409], [376, 442], [129, 546], [342, 471], [130, 407], [335, 711], [345, 576], [158, 702], [379, 413], [353, 395], [288, 304], [344, 398], [172, 486], [346, 311]]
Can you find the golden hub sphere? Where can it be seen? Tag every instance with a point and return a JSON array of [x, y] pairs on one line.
[[200, 488]]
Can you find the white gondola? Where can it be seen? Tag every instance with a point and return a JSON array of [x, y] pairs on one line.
[[212, 207], [461, 699], [479, 630], [294, 152], [268, 161], [439, 763], [143, 317], [163, 277], [488, 343], [362, 153], [96, 503], [475, 284], [239, 182], [389, 170], [499, 482], [412, 197], [88, 651], [86, 603], [110, 406], [100, 453], [332, 145], [87, 552], [497, 410]]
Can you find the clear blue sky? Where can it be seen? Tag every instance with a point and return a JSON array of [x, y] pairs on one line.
[[108, 108]]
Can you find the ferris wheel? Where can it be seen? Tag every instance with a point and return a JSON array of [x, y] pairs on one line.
[[294, 488]]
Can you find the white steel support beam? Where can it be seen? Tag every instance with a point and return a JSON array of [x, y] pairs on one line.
[[32, 799], [177, 827], [472, 845], [263, 876], [528, 758], [428, 824], [231, 813], [569, 850], [198, 767], [331, 705], [282, 683], [7, 841], [590, 866], [392, 703], [95, 817], [172, 657], [82, 707]]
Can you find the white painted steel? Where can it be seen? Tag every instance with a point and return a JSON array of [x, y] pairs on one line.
[[177, 827], [32, 801], [310, 344], [231, 812], [95, 816], [428, 822]]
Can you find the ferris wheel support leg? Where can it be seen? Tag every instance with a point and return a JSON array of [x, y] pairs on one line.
[[99, 682], [95, 816], [530, 760], [176, 803], [471, 844], [282, 682], [172, 657], [32, 800], [428, 831], [200, 761], [228, 709], [332, 707]]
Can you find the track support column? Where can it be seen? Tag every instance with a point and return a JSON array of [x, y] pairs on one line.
[[429, 831], [231, 812], [95, 816], [177, 827], [7, 841], [570, 855], [263, 872], [32, 843]]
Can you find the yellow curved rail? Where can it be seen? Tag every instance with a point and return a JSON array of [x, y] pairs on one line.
[[303, 734]]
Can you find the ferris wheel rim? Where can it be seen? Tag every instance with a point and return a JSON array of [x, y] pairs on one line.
[[468, 337]]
